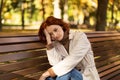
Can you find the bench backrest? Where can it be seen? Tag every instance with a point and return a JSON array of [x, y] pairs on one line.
[[107, 54], [23, 57]]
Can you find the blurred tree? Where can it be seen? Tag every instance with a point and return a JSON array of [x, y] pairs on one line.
[[112, 11], [89, 10], [62, 5], [86, 14], [74, 6], [32, 8], [113, 14], [43, 9], [23, 6], [15, 4], [76, 11], [1, 5], [101, 15]]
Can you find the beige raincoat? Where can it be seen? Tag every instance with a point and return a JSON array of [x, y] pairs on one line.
[[80, 55]]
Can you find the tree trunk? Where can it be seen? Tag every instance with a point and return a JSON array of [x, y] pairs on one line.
[[22, 14], [62, 5], [101, 15], [23, 22], [112, 12], [1, 15], [43, 9]]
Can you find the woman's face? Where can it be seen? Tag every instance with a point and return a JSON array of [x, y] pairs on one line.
[[56, 32]]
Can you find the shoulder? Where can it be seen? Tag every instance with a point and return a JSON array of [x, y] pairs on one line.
[[76, 34]]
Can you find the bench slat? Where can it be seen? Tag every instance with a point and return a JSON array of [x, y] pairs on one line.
[[110, 60], [102, 35], [22, 55], [115, 77], [109, 71], [20, 47], [105, 43], [19, 64], [18, 40], [112, 76], [101, 58], [22, 73], [6, 35], [103, 39], [108, 66]]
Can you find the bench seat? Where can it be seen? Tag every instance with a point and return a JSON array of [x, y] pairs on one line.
[[23, 57]]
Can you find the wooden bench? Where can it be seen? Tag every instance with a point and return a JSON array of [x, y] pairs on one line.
[[23, 57], [107, 54]]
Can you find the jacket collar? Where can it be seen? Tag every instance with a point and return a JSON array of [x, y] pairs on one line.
[[71, 34]]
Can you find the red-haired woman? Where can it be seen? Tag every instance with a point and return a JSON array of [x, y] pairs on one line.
[[66, 50]]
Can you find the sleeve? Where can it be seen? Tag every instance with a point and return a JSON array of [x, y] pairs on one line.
[[53, 56], [77, 53], [50, 46]]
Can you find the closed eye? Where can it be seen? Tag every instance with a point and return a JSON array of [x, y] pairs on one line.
[[55, 30]]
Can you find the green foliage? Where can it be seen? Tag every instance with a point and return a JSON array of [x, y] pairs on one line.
[[77, 11]]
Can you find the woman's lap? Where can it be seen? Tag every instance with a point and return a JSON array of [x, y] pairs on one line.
[[72, 75]]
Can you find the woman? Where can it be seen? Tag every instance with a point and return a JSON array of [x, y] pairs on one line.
[[67, 51]]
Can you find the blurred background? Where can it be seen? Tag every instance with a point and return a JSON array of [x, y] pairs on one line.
[[95, 15]]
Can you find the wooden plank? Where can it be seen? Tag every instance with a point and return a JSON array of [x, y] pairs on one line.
[[116, 77], [106, 72], [101, 32], [107, 61], [13, 40], [103, 39], [103, 43], [22, 73], [112, 76], [19, 64], [21, 47], [104, 57], [100, 51], [5, 35], [33, 70], [108, 66], [10, 76], [22, 55], [102, 35]]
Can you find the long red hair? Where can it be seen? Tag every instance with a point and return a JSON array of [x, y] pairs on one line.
[[51, 21]]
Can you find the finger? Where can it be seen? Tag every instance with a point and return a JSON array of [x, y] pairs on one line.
[[45, 31]]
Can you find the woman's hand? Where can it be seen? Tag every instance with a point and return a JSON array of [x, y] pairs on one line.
[[44, 75], [42, 78], [48, 38]]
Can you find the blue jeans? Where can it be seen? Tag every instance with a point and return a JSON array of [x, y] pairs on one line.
[[72, 75]]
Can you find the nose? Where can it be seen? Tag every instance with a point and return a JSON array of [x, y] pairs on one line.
[[54, 35]]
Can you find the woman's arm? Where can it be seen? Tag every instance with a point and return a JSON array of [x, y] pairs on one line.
[[48, 38], [80, 49], [44, 75], [52, 55], [49, 46]]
